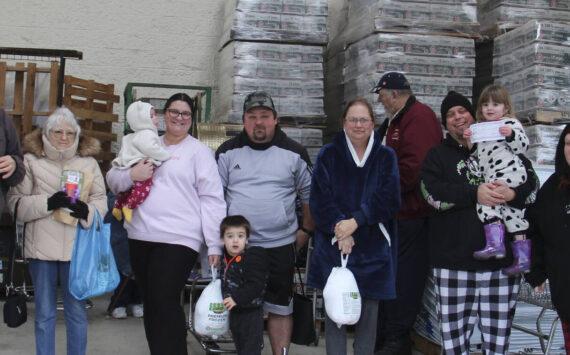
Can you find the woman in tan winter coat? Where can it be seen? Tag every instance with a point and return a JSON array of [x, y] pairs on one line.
[[49, 242]]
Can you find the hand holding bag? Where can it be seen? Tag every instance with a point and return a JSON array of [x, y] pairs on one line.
[[211, 318], [341, 295], [93, 270], [15, 308], [304, 330]]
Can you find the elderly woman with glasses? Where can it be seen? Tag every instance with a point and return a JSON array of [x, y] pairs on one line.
[[355, 197], [48, 242], [182, 212]]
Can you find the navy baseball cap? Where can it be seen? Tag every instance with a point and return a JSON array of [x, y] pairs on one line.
[[391, 80]]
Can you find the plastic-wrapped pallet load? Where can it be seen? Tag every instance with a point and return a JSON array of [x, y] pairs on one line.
[[542, 142], [430, 42], [275, 20], [500, 15], [291, 73], [533, 62]]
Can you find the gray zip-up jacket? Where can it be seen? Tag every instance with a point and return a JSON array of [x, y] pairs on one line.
[[261, 183]]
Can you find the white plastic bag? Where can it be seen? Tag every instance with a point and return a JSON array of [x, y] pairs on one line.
[[342, 298], [211, 318]]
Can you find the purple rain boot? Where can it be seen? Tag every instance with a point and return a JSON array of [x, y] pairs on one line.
[[521, 254], [495, 233]]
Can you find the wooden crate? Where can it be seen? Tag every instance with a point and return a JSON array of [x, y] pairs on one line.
[[92, 103], [24, 92]]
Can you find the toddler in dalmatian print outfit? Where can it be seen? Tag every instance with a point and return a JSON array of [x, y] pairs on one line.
[[499, 160], [144, 143]]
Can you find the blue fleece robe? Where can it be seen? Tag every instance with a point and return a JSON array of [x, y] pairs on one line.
[[371, 194]]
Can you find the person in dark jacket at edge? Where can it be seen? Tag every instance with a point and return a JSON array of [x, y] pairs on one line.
[[549, 221], [467, 289], [11, 158], [410, 129]]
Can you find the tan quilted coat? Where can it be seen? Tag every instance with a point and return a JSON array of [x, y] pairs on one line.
[[46, 238]]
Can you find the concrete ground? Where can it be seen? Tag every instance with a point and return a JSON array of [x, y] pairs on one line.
[[109, 336]]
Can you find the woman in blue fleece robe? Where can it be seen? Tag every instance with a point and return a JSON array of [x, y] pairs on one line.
[[355, 196]]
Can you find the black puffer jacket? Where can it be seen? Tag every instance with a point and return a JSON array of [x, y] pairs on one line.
[[246, 277]]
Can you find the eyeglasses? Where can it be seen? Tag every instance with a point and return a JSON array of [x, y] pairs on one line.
[[59, 134], [362, 121], [173, 113]]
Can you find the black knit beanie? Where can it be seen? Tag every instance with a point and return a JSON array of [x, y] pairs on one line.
[[454, 99]]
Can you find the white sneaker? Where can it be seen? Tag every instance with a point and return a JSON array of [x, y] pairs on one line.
[[119, 313], [137, 310]]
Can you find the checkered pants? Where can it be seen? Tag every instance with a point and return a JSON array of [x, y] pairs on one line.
[[464, 295]]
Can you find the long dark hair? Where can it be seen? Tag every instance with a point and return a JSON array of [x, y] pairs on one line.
[[560, 164]]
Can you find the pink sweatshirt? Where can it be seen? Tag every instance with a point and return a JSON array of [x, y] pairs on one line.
[[186, 201]]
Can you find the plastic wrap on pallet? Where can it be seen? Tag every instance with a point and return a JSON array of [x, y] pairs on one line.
[[412, 44], [485, 5], [541, 98], [421, 85], [541, 155], [505, 17], [275, 20], [364, 18], [542, 135], [410, 64], [279, 52], [532, 31], [534, 54], [308, 137], [426, 16], [533, 76], [292, 74]]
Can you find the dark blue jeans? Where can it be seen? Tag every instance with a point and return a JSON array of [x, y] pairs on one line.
[[44, 276]]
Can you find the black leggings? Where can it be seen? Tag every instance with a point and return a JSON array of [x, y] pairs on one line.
[[161, 271]]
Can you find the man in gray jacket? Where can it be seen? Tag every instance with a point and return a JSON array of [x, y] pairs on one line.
[[262, 172]]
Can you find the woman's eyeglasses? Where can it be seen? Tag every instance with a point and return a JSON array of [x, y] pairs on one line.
[[173, 113], [355, 121], [59, 134]]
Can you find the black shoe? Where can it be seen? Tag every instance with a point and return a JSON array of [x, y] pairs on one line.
[[396, 346]]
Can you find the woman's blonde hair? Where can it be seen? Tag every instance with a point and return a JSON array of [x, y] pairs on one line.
[[498, 94]]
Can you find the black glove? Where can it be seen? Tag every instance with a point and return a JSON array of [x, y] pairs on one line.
[[58, 200], [80, 209]]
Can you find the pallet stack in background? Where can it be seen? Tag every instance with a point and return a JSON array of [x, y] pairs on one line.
[[276, 46], [532, 62], [497, 16], [531, 58], [430, 42]]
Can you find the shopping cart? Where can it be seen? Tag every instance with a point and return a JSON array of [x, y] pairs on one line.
[[543, 300], [221, 345]]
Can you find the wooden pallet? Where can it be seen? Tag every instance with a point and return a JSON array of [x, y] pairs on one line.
[[92, 103], [24, 90]]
